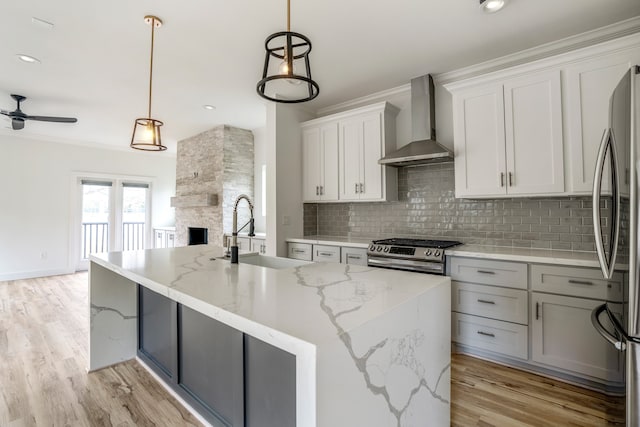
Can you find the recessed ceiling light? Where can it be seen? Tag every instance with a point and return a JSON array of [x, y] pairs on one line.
[[492, 6], [27, 58], [208, 107]]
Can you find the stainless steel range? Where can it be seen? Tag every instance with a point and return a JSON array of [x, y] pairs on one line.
[[425, 256]]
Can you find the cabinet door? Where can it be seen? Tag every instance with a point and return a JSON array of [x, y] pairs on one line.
[[157, 331], [533, 134], [350, 158], [244, 243], [159, 239], [329, 170], [589, 87], [370, 170], [171, 239], [479, 142], [257, 245], [311, 164], [270, 385], [354, 256], [563, 337], [211, 365]]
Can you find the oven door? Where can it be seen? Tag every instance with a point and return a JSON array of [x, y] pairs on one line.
[[406, 264]]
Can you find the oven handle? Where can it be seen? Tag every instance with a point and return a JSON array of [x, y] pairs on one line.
[[403, 264]]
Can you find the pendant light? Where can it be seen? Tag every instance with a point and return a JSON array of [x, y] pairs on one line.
[[146, 131], [290, 54]]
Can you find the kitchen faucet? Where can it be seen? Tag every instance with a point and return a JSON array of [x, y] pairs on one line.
[[234, 234]]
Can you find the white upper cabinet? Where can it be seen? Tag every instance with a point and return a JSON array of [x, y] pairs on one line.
[[589, 85], [533, 134], [480, 161], [508, 137], [320, 172], [341, 153], [360, 150]]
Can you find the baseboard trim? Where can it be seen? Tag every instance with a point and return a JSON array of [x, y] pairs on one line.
[[34, 274]]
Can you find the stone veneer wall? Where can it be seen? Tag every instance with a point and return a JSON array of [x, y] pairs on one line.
[[427, 208], [218, 161]]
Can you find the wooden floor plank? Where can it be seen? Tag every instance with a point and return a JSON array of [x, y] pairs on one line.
[[44, 326]]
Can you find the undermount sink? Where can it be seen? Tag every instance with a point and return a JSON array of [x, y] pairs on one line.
[[270, 261]]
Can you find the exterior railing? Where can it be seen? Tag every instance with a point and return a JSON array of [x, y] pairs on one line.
[[132, 236], [95, 237]]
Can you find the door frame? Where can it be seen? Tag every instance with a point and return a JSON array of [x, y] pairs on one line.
[[75, 212]]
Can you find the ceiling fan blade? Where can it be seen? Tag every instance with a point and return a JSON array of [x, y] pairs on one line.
[[17, 124], [52, 119], [5, 112]]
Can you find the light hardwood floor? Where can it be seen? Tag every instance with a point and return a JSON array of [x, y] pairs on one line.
[[44, 326]]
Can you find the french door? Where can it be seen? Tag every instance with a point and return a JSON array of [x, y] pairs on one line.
[[114, 216]]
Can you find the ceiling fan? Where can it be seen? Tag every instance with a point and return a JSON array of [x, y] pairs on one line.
[[18, 117]]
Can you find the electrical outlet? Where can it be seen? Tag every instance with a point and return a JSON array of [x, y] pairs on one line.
[[286, 220]]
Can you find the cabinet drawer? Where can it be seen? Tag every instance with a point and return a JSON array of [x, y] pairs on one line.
[[576, 281], [322, 253], [506, 338], [490, 301], [356, 256], [487, 272], [300, 251]]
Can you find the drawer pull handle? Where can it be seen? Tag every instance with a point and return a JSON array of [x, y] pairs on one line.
[[537, 310], [349, 256], [484, 301], [486, 334], [325, 253], [580, 282], [299, 251], [486, 272]]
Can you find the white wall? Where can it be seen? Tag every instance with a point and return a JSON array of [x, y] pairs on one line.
[[36, 192], [284, 175], [260, 158]]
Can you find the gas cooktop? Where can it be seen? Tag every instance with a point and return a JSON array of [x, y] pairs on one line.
[[418, 243]]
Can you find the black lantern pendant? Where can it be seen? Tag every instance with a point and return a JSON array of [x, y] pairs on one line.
[[288, 76]]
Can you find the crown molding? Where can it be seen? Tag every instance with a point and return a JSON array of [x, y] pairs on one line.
[[368, 99], [584, 40]]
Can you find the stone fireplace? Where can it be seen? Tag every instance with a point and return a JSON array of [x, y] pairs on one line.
[[212, 169]]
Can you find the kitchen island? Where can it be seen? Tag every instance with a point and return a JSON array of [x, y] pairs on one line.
[[370, 347]]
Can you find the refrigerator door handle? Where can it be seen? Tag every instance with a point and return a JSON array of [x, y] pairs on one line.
[[618, 339], [608, 143]]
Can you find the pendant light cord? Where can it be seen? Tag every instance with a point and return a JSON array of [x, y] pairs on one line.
[[289, 15], [153, 28]]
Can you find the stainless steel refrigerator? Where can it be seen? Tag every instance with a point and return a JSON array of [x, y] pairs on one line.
[[615, 221]]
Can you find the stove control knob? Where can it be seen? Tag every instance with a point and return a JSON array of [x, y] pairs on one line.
[[386, 248], [437, 253], [372, 248], [427, 252], [379, 248]]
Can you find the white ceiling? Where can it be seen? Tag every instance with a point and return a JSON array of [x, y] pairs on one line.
[[94, 62]]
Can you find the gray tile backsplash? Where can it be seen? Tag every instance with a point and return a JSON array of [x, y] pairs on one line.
[[427, 208]]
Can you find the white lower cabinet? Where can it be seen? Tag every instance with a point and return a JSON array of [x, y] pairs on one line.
[[537, 316], [258, 245], [301, 251], [562, 337], [163, 238], [354, 256], [505, 338], [323, 253]]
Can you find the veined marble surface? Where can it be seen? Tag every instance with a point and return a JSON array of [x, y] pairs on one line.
[[333, 241], [372, 345], [542, 256]]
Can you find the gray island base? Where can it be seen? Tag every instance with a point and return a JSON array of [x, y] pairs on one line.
[[347, 345]]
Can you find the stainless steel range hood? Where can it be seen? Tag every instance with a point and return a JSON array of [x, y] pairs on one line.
[[423, 148]]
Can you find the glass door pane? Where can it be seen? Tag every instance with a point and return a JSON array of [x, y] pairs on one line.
[[134, 216], [96, 214]]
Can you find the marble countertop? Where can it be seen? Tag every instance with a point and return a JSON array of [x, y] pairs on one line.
[[277, 299], [333, 241], [372, 345], [543, 256]]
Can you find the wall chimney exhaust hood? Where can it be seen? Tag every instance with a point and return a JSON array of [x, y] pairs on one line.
[[423, 148]]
